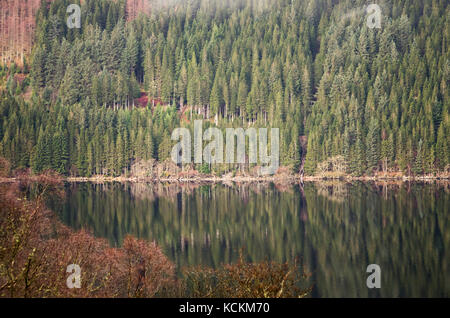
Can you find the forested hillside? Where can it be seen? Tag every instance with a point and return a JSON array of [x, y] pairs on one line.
[[366, 100]]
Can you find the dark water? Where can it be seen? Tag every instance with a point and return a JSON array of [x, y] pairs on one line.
[[335, 229]]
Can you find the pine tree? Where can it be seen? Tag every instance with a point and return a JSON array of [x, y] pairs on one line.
[[182, 84], [90, 158], [167, 77], [360, 157], [216, 97], [81, 150], [164, 147], [442, 148], [418, 163], [373, 149], [311, 156], [39, 68], [149, 146], [387, 152]]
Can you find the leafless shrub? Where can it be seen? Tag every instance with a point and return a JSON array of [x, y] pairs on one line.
[[35, 250], [246, 280]]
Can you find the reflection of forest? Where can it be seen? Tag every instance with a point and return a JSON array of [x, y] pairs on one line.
[[336, 229]]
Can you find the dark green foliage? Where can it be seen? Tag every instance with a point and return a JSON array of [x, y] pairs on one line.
[[306, 67], [78, 141]]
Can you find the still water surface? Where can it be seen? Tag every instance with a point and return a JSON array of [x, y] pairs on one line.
[[335, 229]]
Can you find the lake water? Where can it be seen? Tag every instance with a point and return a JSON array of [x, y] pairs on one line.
[[335, 229]]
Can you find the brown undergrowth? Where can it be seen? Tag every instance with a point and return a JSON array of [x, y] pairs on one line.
[[265, 279], [36, 249]]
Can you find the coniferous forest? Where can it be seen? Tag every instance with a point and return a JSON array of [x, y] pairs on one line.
[[347, 98]]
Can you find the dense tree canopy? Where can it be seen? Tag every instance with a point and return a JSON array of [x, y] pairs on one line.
[[376, 97]]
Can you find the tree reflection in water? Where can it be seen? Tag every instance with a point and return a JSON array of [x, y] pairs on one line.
[[335, 229]]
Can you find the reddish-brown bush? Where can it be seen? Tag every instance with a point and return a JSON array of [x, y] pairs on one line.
[[35, 250], [247, 280]]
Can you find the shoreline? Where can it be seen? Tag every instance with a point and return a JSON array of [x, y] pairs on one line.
[[290, 180], [239, 179], [283, 177]]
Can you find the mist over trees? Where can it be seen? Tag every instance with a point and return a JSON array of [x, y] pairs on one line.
[[366, 99]]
